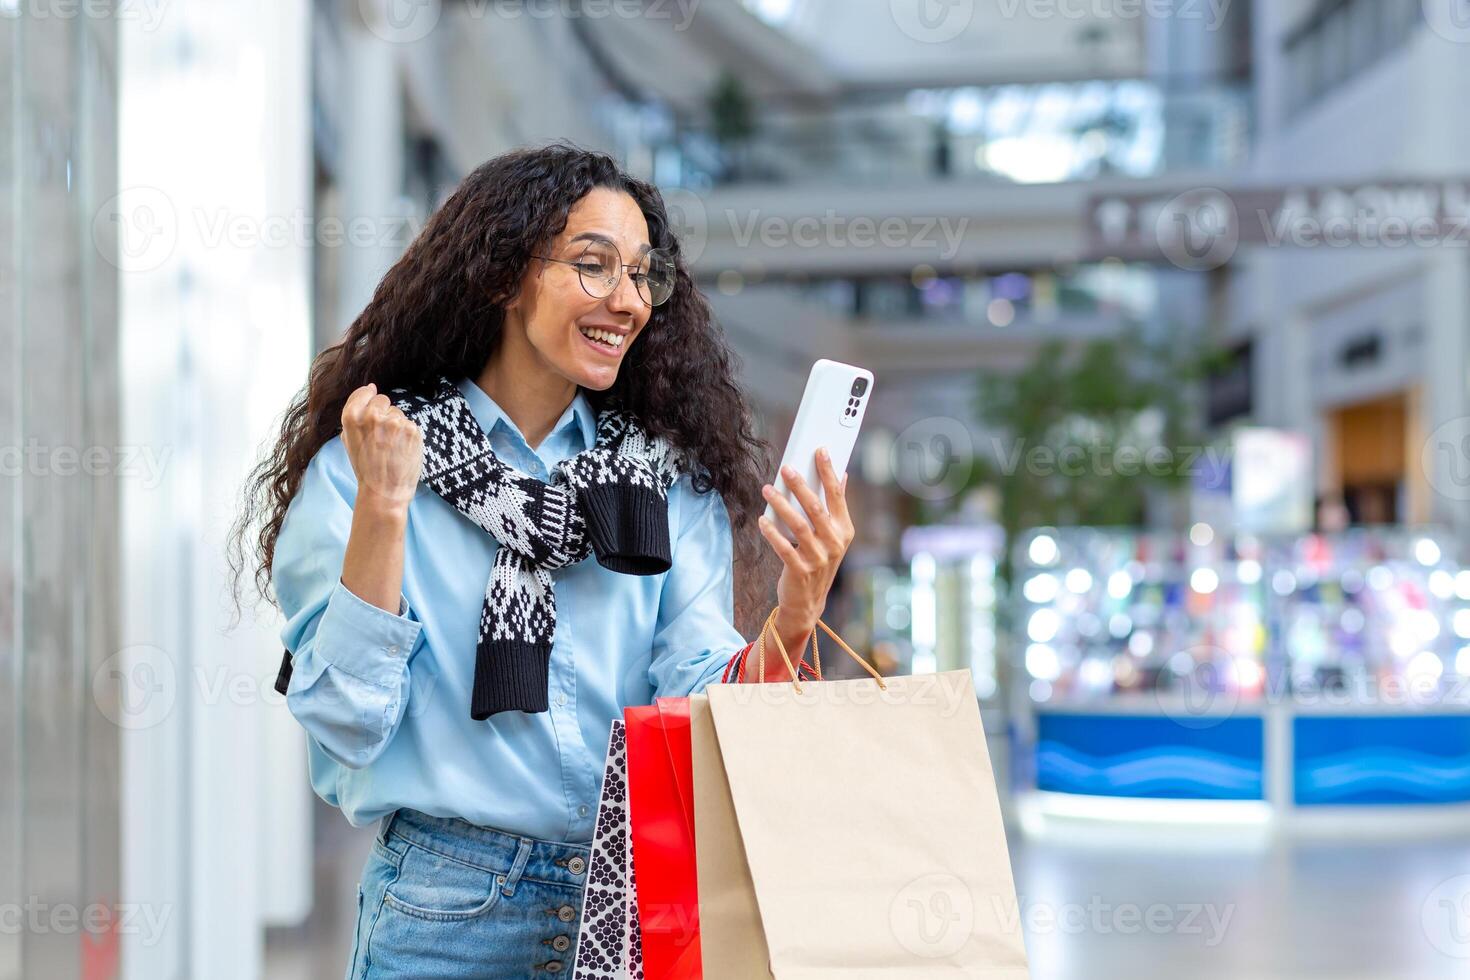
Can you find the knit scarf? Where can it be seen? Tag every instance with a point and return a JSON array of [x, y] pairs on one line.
[[610, 501]]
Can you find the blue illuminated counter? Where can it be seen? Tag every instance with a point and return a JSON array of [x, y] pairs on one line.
[[1289, 757], [1150, 755]]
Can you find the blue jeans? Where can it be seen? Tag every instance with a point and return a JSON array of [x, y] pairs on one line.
[[444, 899]]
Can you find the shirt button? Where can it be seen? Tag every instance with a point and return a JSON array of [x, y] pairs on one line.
[[582, 810], [554, 966], [576, 865], [566, 913], [561, 944], [561, 699], [393, 648]]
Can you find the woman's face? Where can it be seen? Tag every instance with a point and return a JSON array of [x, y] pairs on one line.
[[579, 336]]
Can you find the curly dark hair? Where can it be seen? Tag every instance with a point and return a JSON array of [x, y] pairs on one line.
[[438, 311]]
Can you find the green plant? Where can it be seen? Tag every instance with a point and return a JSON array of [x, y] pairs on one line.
[[1087, 435], [732, 114]]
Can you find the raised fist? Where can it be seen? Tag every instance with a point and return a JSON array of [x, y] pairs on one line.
[[385, 446]]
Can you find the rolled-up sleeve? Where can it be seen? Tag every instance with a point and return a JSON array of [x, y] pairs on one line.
[[696, 636], [350, 659]]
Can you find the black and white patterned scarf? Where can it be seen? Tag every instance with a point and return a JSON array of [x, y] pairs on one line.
[[610, 501]]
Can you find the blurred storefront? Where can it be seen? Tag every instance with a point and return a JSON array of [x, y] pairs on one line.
[[1367, 441]]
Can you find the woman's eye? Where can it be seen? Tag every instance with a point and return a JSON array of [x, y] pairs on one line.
[[592, 268]]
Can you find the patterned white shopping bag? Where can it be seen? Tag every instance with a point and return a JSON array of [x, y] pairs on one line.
[[609, 944]]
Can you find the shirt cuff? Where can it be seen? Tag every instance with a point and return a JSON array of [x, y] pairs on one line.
[[365, 641]]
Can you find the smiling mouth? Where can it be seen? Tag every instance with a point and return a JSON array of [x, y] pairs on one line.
[[605, 341]]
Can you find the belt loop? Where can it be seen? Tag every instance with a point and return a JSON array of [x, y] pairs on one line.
[[513, 876]]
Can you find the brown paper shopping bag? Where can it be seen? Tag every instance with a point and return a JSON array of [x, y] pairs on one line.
[[731, 939], [867, 818]]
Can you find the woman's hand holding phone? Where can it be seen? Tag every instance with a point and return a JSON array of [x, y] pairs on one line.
[[821, 541]]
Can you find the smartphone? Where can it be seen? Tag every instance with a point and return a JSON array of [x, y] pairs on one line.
[[831, 413]]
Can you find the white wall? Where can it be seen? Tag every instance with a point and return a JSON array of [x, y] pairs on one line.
[[214, 164]]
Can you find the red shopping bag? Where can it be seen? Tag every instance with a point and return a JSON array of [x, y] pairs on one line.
[[661, 802]]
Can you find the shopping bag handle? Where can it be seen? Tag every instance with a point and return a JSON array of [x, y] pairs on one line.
[[760, 646]]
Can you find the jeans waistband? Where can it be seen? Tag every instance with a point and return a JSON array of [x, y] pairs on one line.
[[489, 848]]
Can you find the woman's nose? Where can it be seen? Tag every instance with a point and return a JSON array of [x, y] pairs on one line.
[[625, 297]]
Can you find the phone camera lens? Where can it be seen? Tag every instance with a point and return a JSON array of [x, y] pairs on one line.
[[859, 386]]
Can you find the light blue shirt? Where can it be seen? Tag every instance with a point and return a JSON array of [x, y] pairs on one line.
[[385, 698]]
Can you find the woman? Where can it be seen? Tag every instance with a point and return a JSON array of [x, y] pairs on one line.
[[536, 382]]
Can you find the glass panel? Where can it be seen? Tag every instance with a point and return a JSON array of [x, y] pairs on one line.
[[59, 848], [1350, 39], [52, 503], [1034, 133], [94, 182], [12, 797]]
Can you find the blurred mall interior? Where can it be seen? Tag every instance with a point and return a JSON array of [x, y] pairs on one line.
[[1168, 305]]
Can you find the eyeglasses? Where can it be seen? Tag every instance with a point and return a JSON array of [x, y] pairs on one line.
[[600, 267]]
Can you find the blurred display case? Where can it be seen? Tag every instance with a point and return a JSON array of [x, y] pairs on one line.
[[1296, 672], [884, 594], [1366, 612], [1104, 613], [951, 574]]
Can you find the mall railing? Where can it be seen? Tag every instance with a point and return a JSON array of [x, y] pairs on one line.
[[1023, 133], [929, 298]]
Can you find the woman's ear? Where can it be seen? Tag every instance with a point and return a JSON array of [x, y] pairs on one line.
[[508, 302], [513, 300]]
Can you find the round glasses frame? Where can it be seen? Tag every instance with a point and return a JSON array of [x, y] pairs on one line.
[[610, 285]]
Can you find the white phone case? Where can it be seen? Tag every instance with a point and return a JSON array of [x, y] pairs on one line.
[[830, 415]]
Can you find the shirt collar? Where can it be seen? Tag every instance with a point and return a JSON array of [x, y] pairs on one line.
[[578, 416]]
